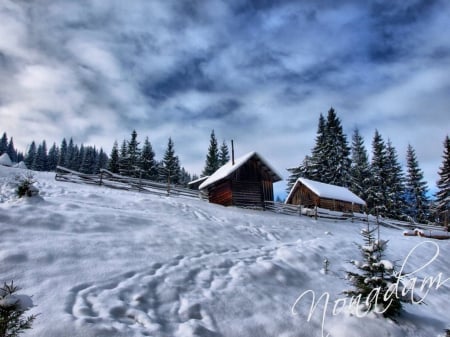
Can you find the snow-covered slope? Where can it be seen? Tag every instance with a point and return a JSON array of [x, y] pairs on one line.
[[102, 262]]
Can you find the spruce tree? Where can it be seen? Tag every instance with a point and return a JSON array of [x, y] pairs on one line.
[[3, 143], [113, 164], [416, 188], [62, 153], [301, 171], [318, 162], [53, 155], [101, 161], [443, 185], [376, 277], [134, 154], [360, 168], [377, 194], [11, 151], [31, 154], [170, 166], [123, 159], [70, 155], [224, 155], [336, 153], [40, 160], [148, 162], [395, 188], [212, 158]]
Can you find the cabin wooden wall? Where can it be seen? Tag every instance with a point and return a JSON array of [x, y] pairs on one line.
[[221, 194]]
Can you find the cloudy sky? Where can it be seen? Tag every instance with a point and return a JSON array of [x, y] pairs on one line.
[[256, 71]]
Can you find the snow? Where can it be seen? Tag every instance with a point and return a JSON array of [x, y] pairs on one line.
[[5, 160], [229, 168], [106, 262], [21, 165], [328, 191]]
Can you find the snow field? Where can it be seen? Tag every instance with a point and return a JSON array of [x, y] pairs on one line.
[[102, 262]]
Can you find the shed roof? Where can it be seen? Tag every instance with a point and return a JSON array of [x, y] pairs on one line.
[[328, 191], [227, 169]]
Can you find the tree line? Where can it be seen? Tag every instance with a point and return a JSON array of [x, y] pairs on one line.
[[381, 182]]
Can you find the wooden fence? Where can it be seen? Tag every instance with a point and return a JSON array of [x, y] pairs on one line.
[[112, 180]]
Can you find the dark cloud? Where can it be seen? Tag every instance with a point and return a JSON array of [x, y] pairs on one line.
[[256, 71]]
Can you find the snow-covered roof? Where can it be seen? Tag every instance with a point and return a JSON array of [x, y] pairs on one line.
[[327, 191], [5, 160], [229, 168], [198, 180]]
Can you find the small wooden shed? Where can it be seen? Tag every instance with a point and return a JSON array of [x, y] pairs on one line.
[[310, 193], [247, 181]]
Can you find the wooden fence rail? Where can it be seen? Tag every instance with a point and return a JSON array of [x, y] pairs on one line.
[[113, 180]]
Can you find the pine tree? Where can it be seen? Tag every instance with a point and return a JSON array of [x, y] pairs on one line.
[[40, 160], [101, 161], [360, 168], [53, 155], [224, 155], [443, 185], [123, 159], [416, 188], [395, 188], [170, 166], [317, 164], [89, 159], [11, 151], [63, 153], [377, 194], [185, 177], [31, 154], [212, 158], [376, 276], [134, 154], [3, 143], [301, 171], [113, 164], [70, 155], [148, 162], [336, 153]]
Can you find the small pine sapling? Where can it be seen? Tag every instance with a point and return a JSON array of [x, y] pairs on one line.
[[375, 282], [25, 187], [12, 310]]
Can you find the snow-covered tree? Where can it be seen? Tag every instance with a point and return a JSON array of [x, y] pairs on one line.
[[375, 279], [101, 161], [170, 167], [301, 171], [134, 154], [317, 164], [416, 188], [377, 194], [212, 162], [336, 154], [148, 162], [443, 185], [395, 188], [360, 168], [224, 155], [113, 164], [123, 158], [88, 162]]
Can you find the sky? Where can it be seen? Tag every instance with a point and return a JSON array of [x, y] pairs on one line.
[[258, 72]]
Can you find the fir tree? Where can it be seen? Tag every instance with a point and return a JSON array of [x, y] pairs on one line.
[[360, 168], [3, 143], [123, 159], [40, 160], [336, 153], [416, 188], [133, 157], [53, 155], [317, 164], [376, 277], [63, 153], [89, 159], [443, 185], [185, 177], [395, 189], [148, 162], [11, 151], [301, 171], [31, 154], [101, 161], [170, 166], [377, 194], [70, 155], [113, 164], [212, 158], [224, 155]]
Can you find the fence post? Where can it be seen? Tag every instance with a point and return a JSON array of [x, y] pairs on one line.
[[101, 178], [315, 212]]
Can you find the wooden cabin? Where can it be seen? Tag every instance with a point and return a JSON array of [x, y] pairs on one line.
[[194, 184], [310, 193], [246, 182]]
